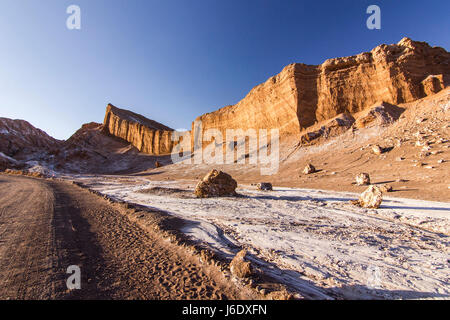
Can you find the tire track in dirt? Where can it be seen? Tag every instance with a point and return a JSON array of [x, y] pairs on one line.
[[46, 226]]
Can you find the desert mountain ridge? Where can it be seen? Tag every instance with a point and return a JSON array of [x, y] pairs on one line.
[[303, 96], [342, 99]]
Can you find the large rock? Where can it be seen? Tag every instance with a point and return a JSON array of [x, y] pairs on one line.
[[302, 95], [371, 198], [216, 184], [239, 266], [146, 135]]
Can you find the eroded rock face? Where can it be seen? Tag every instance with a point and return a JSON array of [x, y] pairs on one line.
[[302, 95], [380, 114], [216, 184], [19, 139], [331, 128], [146, 135]]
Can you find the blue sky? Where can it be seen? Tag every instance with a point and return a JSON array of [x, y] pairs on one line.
[[175, 60]]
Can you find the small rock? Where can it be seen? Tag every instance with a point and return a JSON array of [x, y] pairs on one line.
[[362, 179], [399, 159], [239, 267], [377, 149], [441, 161], [386, 188], [265, 186], [309, 169]]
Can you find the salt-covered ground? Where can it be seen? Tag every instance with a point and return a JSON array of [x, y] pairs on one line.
[[314, 241]]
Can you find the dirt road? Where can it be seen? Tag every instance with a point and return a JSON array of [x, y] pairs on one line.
[[46, 226]]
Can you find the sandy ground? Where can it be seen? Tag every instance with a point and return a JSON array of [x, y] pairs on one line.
[[46, 226], [314, 241]]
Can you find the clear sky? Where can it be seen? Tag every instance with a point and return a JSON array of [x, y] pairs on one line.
[[175, 60]]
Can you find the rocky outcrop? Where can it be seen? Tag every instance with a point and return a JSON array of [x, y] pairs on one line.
[[22, 141], [239, 266], [90, 150], [381, 114], [302, 95], [146, 135], [328, 129]]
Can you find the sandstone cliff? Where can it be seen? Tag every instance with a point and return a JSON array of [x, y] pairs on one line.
[[302, 95], [146, 135]]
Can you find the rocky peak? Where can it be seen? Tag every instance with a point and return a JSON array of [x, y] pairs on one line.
[[146, 135], [20, 139]]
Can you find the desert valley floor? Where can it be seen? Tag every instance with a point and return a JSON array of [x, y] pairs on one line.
[[313, 241]]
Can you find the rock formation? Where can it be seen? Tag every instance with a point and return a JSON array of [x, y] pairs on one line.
[[330, 128], [302, 95], [146, 135], [91, 150], [380, 114], [20, 140]]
